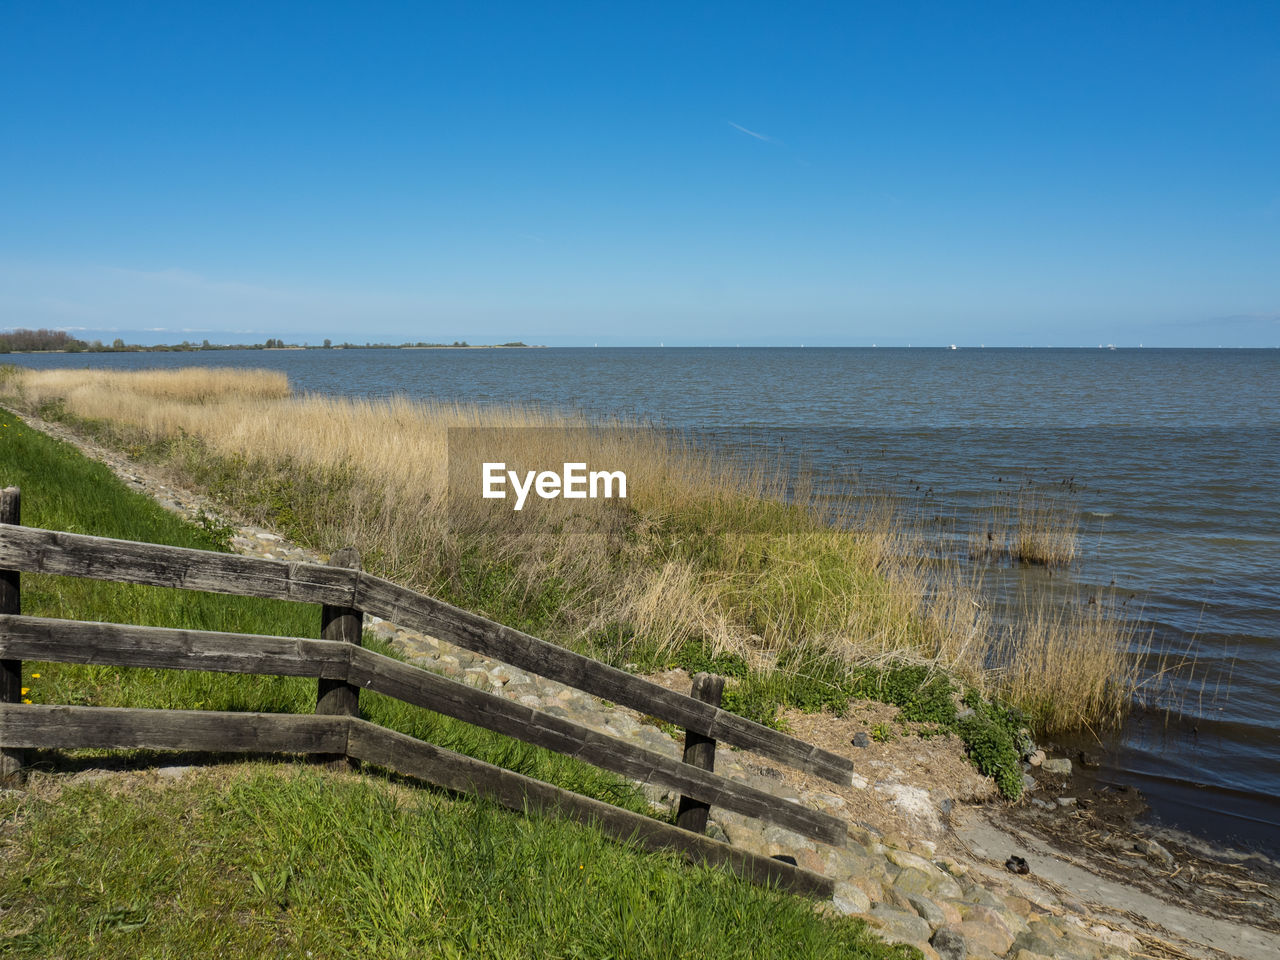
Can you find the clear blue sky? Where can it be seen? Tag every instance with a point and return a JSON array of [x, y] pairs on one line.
[[841, 173]]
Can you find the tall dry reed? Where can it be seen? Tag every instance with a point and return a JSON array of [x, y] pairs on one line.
[[700, 549]]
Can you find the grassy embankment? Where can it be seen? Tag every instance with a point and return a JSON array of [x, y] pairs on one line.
[[255, 860], [801, 602]]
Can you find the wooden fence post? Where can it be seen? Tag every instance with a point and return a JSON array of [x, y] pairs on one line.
[[346, 625], [11, 761], [699, 751]]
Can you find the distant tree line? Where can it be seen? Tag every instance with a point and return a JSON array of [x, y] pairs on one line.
[[29, 341]]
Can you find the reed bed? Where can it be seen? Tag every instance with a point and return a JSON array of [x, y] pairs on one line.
[[1033, 526], [701, 552]]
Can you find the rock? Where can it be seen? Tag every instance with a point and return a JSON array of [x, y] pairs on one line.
[[950, 944], [860, 739], [788, 840], [850, 899], [975, 894], [910, 881], [1022, 907], [898, 925], [1066, 802], [1040, 938], [1036, 758], [1058, 766], [173, 773], [902, 858], [980, 937], [999, 918], [953, 867], [914, 804], [930, 912], [1153, 851]]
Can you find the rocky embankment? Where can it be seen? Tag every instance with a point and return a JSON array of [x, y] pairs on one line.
[[920, 865]]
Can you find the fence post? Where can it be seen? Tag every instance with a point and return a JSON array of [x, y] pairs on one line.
[[699, 751], [346, 625], [11, 761]]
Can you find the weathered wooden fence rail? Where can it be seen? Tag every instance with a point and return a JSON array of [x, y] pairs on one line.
[[342, 668]]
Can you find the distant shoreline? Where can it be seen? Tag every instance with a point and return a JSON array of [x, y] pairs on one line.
[[208, 348]]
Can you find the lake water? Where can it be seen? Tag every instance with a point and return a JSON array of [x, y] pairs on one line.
[[1174, 456]]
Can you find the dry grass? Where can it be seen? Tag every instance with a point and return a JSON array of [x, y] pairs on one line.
[[1067, 664], [1032, 526], [699, 551]]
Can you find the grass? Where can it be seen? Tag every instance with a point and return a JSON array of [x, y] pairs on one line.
[[702, 554], [256, 859], [1033, 525], [252, 861]]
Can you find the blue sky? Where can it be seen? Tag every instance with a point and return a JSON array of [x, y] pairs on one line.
[[843, 173]]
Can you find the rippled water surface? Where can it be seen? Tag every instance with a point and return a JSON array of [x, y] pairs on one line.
[[1174, 456]]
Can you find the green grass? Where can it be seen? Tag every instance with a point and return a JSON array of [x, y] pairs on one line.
[[259, 861], [256, 859]]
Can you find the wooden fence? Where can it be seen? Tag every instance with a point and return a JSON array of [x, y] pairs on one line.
[[343, 668]]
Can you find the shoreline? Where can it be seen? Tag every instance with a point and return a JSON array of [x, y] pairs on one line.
[[1092, 906]]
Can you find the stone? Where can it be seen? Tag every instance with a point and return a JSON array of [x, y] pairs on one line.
[[911, 880], [1001, 918], [902, 858], [950, 944], [1022, 907], [787, 839], [850, 899], [1058, 766], [973, 893], [1040, 939], [1037, 757], [982, 937], [898, 925], [1153, 851], [860, 739], [930, 912]]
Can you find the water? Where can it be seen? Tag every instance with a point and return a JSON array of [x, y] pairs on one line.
[[1174, 456]]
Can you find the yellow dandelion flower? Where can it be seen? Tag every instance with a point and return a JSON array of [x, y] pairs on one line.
[[25, 691], [35, 676], [25, 700]]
